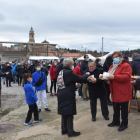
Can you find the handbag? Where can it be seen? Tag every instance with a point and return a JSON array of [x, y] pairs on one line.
[[40, 81], [15, 73]]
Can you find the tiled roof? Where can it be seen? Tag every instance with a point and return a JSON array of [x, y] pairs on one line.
[[67, 54]]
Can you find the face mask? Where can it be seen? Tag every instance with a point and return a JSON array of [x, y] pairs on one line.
[[91, 70], [8, 65], [99, 62], [31, 64], [41, 66], [38, 69], [116, 60], [43, 63], [72, 68], [87, 59], [55, 64]]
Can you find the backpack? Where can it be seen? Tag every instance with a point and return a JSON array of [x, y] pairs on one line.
[[40, 81], [60, 80]]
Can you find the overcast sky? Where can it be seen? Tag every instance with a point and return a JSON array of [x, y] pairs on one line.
[[73, 23]]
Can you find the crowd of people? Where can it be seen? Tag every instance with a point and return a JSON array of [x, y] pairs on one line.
[[66, 77]]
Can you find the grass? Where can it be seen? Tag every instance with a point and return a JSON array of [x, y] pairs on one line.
[[6, 111]]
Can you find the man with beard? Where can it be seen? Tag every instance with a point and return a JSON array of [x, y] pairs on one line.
[[97, 90]]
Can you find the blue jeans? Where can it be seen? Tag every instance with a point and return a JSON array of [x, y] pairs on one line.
[[80, 90], [14, 78], [4, 79]]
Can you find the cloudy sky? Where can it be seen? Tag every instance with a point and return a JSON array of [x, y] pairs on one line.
[[75, 24]]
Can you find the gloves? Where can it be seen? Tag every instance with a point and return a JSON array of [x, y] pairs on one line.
[[138, 78]]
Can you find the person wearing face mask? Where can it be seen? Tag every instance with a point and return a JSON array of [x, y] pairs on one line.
[[98, 63], [66, 97], [19, 71], [83, 69], [31, 99], [121, 89], [97, 90], [32, 68], [53, 76], [8, 68], [13, 70], [40, 87]]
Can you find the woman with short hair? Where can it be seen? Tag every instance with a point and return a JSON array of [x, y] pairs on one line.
[[66, 97], [121, 89]]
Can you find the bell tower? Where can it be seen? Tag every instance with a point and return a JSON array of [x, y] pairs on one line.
[[31, 35]]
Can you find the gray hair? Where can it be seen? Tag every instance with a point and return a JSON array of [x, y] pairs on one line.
[[91, 61], [67, 62]]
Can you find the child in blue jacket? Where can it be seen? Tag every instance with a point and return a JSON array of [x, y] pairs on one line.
[[40, 90], [31, 99]]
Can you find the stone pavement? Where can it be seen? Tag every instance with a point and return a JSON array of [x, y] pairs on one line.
[[50, 128]]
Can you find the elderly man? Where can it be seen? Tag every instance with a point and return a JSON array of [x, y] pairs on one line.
[[97, 90]]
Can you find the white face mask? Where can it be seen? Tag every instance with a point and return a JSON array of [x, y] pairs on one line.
[[55, 64], [38, 69], [72, 67]]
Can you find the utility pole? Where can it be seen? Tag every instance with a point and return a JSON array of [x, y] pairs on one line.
[[102, 47], [47, 50]]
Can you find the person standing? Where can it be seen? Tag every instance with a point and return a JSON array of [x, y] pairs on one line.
[[83, 69], [126, 55], [19, 71], [66, 97], [40, 87], [77, 71], [8, 68], [53, 76], [31, 99], [13, 70], [32, 68], [98, 63], [121, 89], [97, 90], [60, 66]]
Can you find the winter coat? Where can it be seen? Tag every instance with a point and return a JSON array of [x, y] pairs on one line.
[[35, 77], [135, 64], [59, 68], [96, 90], [45, 70], [45, 66], [53, 74], [25, 70], [2, 75], [107, 65], [8, 69], [120, 86], [32, 69], [13, 68], [66, 96], [29, 93], [77, 70], [84, 67], [99, 66], [19, 70]]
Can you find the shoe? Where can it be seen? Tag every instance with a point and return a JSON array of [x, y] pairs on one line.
[[55, 94], [51, 94], [64, 132], [28, 124], [74, 134], [39, 120], [93, 119], [48, 110], [4, 83], [80, 97], [88, 98], [10, 86], [122, 127], [6, 86], [106, 118], [85, 99], [39, 110], [113, 124]]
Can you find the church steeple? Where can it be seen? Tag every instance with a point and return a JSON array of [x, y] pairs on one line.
[[31, 35]]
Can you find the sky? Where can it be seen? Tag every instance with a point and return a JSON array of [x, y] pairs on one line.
[[74, 24]]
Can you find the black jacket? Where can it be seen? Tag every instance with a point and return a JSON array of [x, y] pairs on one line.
[[84, 67], [107, 65], [99, 66], [45, 70], [19, 69], [2, 75], [59, 68], [32, 69], [66, 96], [135, 64], [96, 90], [8, 69]]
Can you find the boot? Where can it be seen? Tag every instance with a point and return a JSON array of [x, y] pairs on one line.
[[74, 134], [51, 94]]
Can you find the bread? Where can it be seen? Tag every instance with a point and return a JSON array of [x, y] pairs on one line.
[[101, 76], [135, 77]]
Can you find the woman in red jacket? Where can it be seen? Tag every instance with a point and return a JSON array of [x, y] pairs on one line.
[[121, 89], [53, 76], [77, 71]]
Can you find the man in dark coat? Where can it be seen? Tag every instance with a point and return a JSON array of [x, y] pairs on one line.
[[126, 55], [66, 97], [32, 68], [83, 69], [97, 90], [60, 66]]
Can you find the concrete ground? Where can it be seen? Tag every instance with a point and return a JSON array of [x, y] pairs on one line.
[[49, 128]]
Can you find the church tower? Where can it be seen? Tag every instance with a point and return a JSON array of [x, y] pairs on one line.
[[31, 35]]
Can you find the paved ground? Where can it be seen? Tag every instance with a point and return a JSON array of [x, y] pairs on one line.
[[50, 129]]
